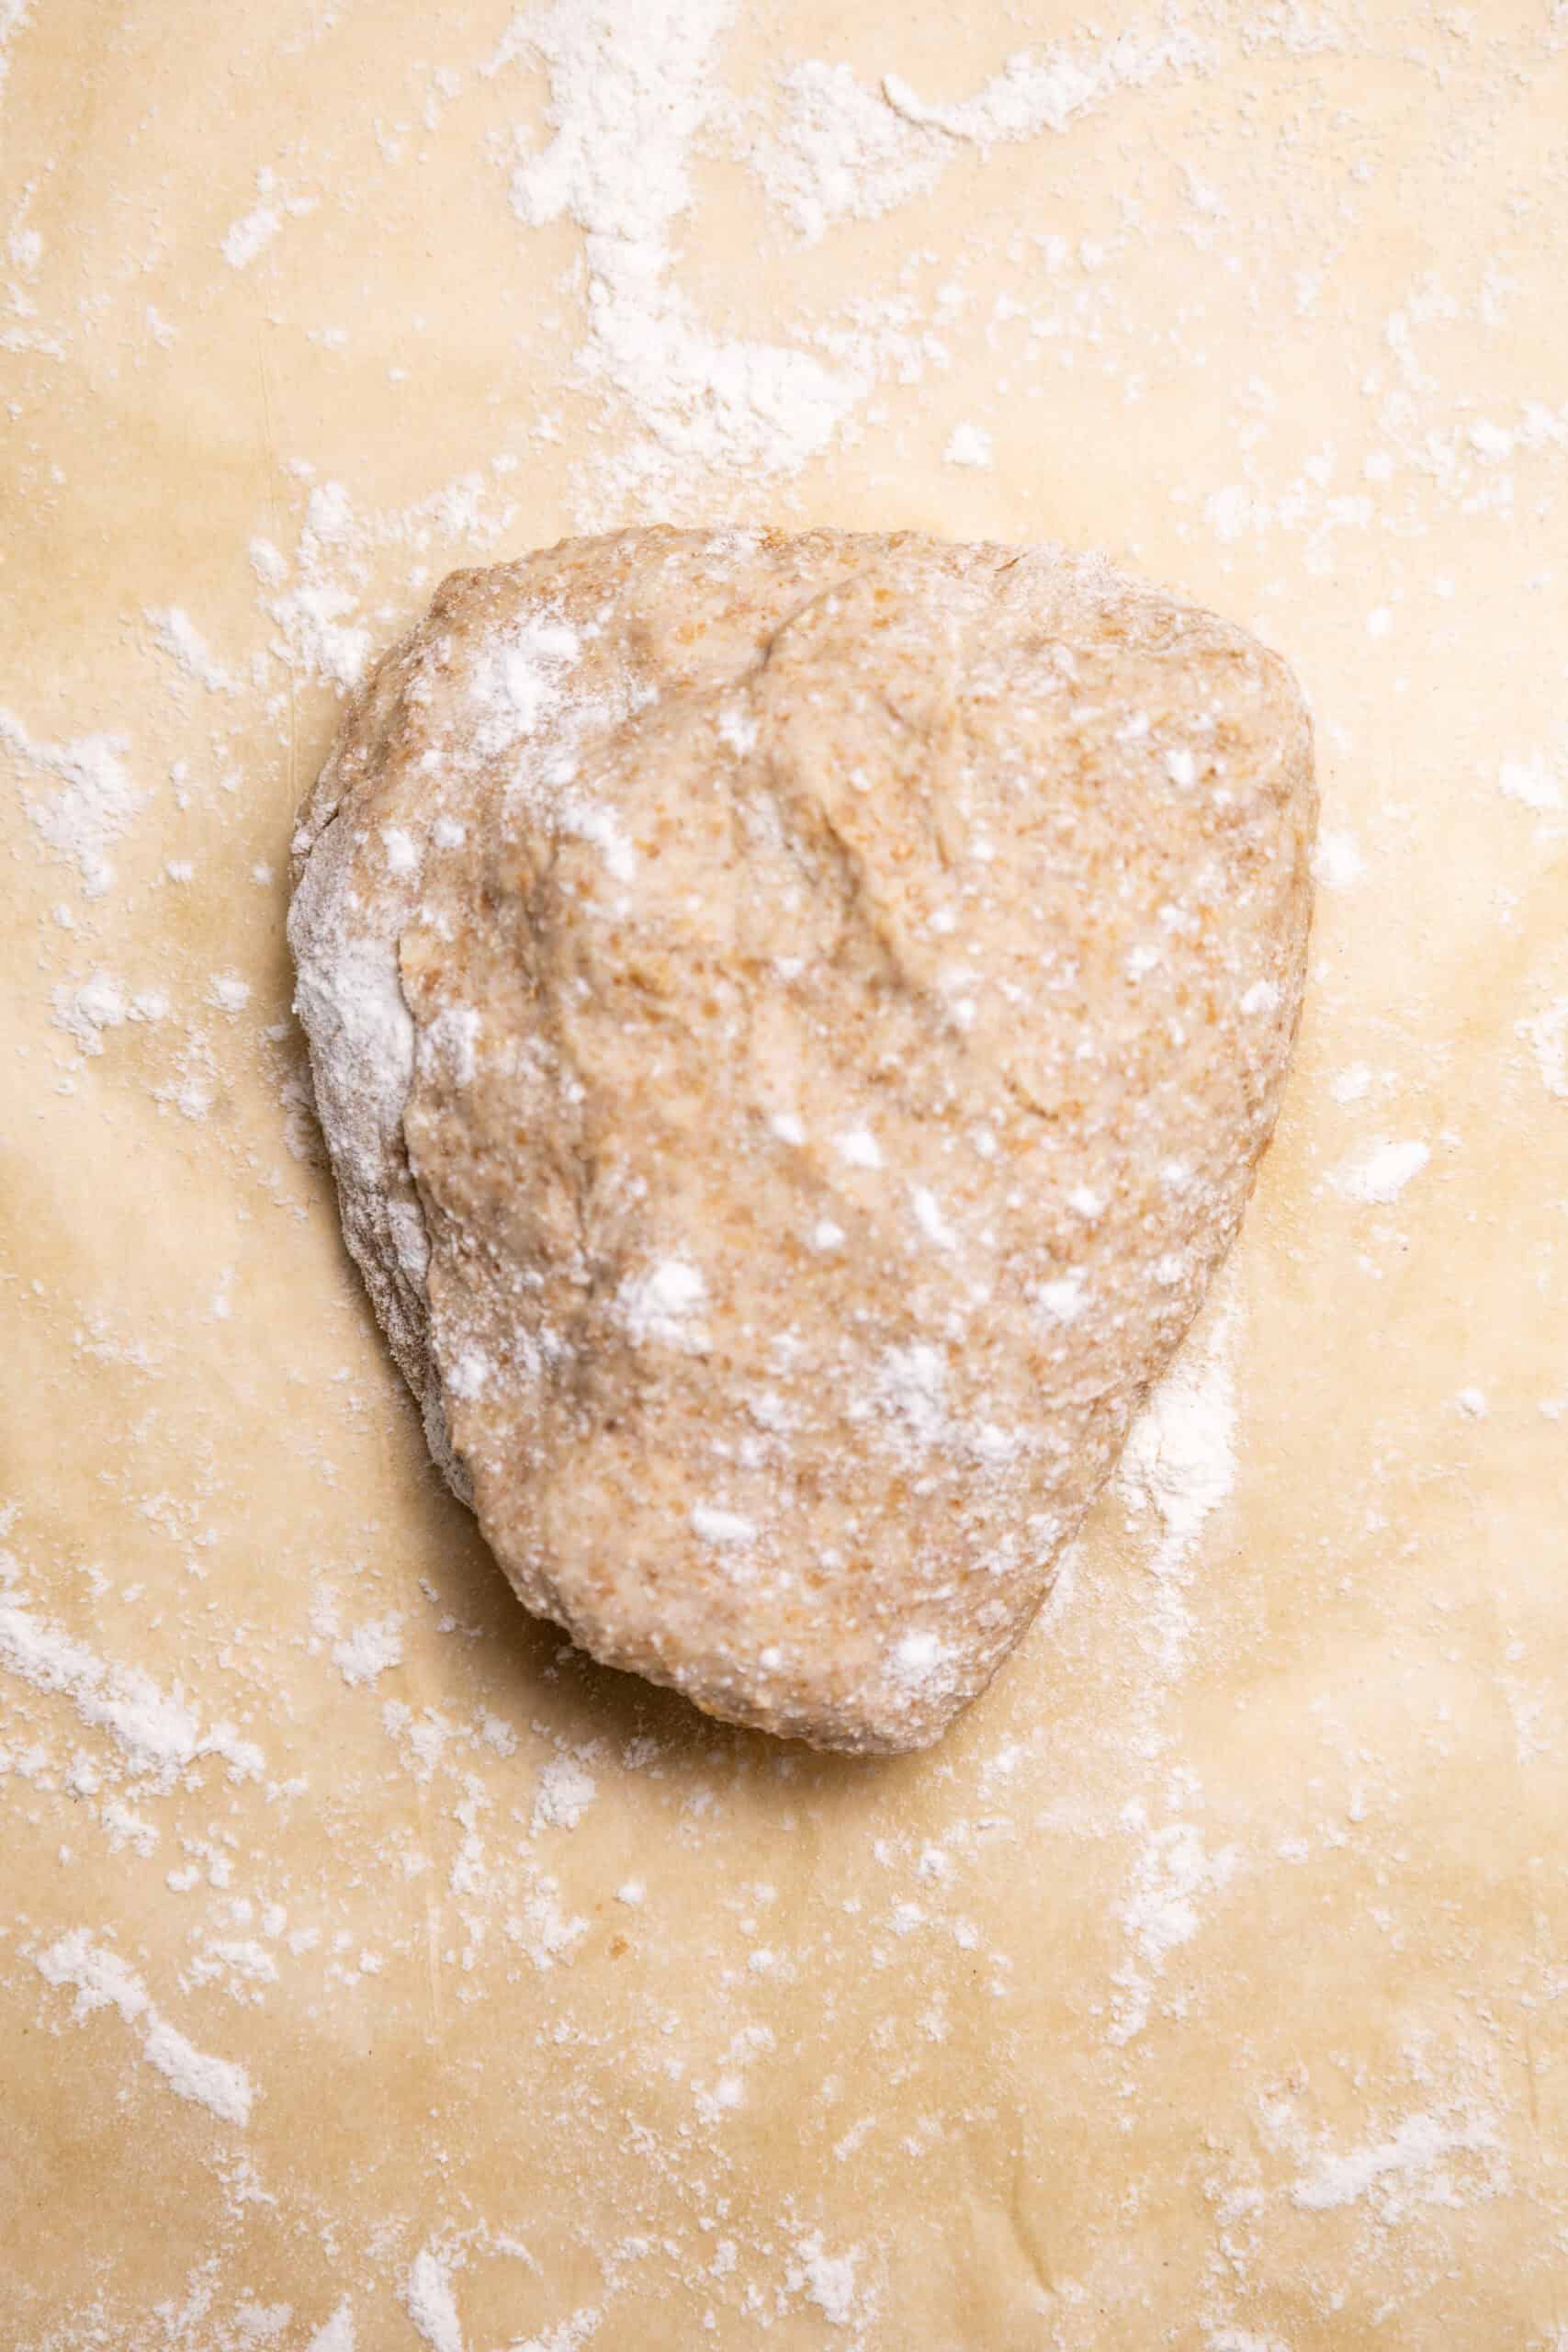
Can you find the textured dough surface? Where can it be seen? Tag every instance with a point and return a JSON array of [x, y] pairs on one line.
[[796, 1020]]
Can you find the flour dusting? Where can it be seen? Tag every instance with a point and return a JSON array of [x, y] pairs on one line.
[[1546, 1034], [565, 1791], [370, 1649], [95, 804], [102, 1980], [845, 150], [692, 263], [1180, 1462], [428, 2299], [630, 94], [1380, 1174], [829, 2282], [177, 636], [336, 2333], [158, 1732], [1174, 1870], [1415, 2164]]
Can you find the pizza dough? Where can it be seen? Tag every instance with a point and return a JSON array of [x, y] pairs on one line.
[[795, 1021]]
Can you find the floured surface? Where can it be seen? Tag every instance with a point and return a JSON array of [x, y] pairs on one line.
[[1205, 1987]]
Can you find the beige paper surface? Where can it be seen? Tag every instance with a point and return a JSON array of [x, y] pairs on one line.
[[377, 1973]]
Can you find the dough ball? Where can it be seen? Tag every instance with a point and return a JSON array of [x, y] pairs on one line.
[[795, 1021]]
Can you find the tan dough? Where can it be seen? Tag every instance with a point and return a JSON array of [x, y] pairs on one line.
[[849, 982]]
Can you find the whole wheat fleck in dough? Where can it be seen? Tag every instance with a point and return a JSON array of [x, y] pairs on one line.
[[795, 1021]]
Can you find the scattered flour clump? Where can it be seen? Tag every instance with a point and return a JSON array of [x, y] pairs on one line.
[[102, 1981], [564, 1793], [1378, 1175], [370, 1650], [427, 2298], [96, 802]]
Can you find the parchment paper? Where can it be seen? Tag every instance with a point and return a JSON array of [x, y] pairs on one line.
[[376, 1972]]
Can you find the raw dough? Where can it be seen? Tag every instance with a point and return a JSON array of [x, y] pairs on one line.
[[795, 1021]]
